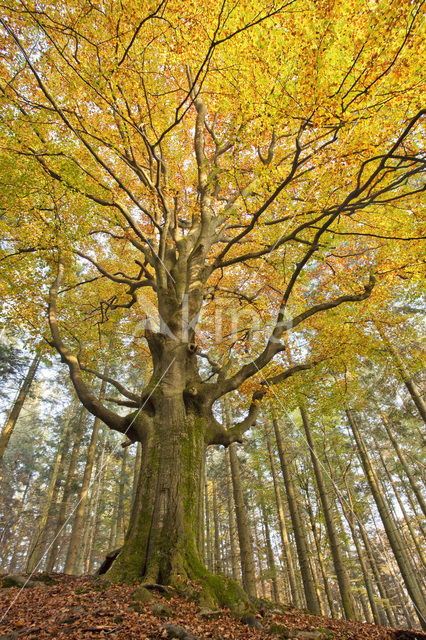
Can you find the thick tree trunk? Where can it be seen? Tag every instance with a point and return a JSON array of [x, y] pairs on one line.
[[408, 575], [335, 546], [162, 540], [17, 406], [299, 531], [73, 549]]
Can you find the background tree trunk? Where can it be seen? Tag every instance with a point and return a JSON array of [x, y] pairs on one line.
[[246, 549], [72, 555], [17, 406], [336, 551], [392, 532], [299, 531]]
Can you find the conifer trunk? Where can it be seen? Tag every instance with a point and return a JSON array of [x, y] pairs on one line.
[[246, 548], [299, 531], [405, 376], [232, 524], [320, 558], [54, 547], [283, 527], [404, 463], [335, 546], [269, 551], [217, 554], [408, 575], [76, 533], [17, 406], [38, 543]]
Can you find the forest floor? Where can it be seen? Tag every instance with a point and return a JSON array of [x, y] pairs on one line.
[[85, 607]]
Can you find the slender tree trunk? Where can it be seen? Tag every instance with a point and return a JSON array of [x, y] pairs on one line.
[[72, 555], [299, 531], [257, 548], [403, 461], [246, 549], [394, 537], [378, 579], [12, 542], [54, 548], [94, 529], [217, 556], [335, 545], [209, 562], [405, 376], [350, 516], [136, 471], [403, 510], [320, 558], [37, 547], [269, 551], [232, 524], [283, 527], [17, 406], [120, 515]]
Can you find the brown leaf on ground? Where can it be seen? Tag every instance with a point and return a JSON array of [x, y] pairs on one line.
[[76, 608]]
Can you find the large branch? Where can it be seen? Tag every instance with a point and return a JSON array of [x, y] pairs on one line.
[[120, 388], [87, 398]]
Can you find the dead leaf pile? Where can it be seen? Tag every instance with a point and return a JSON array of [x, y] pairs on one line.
[[73, 608]]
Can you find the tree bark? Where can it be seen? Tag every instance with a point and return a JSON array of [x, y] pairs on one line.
[[37, 546], [335, 546], [246, 548], [402, 507], [269, 551], [233, 539], [17, 406], [325, 580], [403, 461], [54, 547], [299, 531], [217, 554], [405, 376], [378, 579], [208, 549], [395, 540], [283, 527], [72, 555]]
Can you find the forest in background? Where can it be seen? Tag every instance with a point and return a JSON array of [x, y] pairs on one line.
[[250, 491], [212, 289]]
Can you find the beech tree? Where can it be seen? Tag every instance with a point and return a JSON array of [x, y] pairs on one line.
[[189, 161]]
